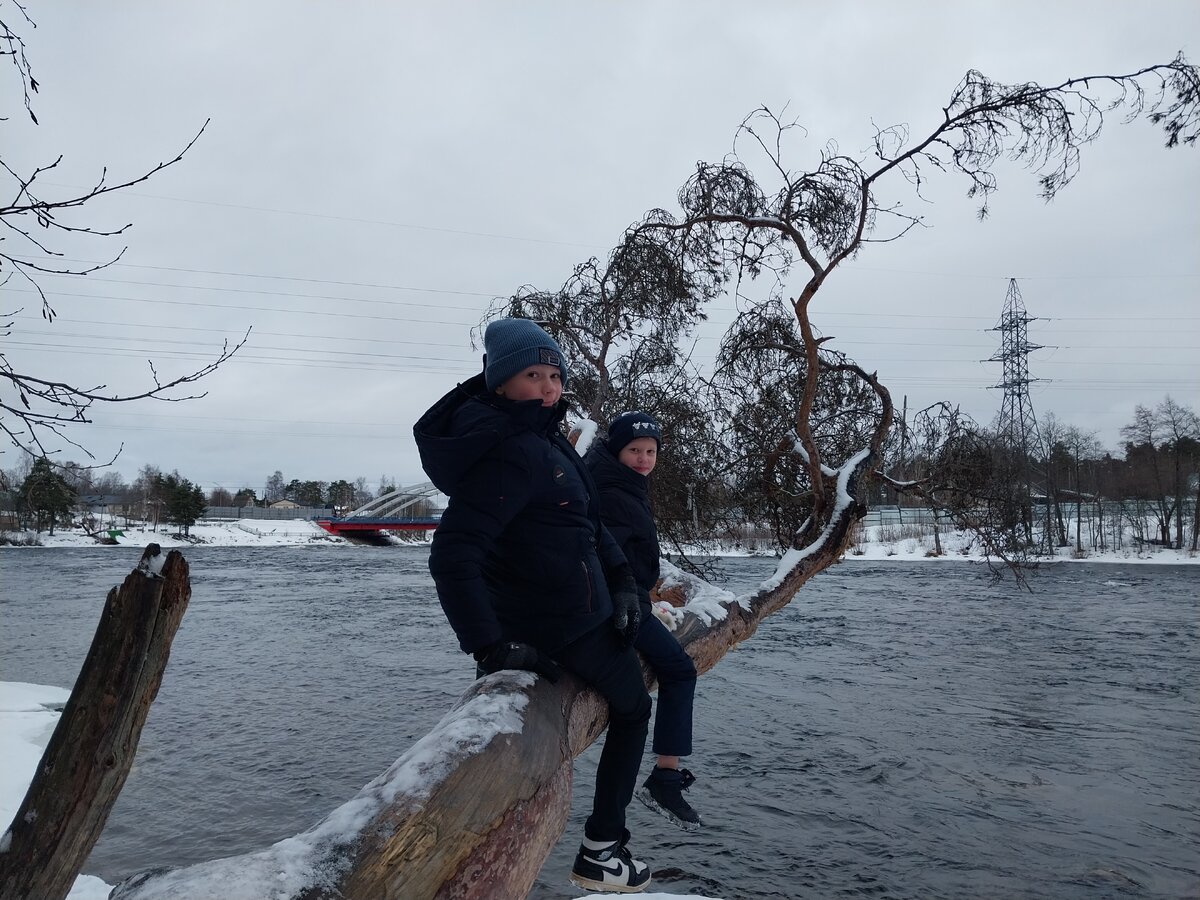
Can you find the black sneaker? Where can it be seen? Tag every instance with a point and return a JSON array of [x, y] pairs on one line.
[[609, 866], [663, 791]]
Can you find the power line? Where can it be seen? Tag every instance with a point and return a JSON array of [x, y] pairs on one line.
[[124, 353], [274, 309], [468, 355], [331, 217], [237, 333], [411, 322], [258, 419], [198, 354], [274, 432], [260, 292], [1141, 276], [471, 367], [501, 294]]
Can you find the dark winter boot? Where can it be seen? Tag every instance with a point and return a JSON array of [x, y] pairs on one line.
[[663, 793], [609, 866]]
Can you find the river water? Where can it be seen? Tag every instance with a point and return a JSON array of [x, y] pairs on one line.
[[899, 730]]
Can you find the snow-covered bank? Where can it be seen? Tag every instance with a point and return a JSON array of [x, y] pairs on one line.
[[877, 542], [890, 542], [28, 714], [223, 533]]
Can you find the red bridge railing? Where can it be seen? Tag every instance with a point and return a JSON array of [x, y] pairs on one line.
[[366, 523]]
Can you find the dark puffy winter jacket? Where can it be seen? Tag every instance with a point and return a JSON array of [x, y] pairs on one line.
[[625, 511], [520, 553]]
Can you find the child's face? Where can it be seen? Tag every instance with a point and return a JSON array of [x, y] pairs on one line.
[[535, 383], [640, 454]]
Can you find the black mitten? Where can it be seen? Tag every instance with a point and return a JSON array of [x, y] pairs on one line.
[[515, 655], [627, 612]]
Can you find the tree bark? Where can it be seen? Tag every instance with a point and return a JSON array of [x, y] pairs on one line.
[[91, 751], [1196, 518], [472, 810]]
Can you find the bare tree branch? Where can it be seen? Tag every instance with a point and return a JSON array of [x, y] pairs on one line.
[[33, 409]]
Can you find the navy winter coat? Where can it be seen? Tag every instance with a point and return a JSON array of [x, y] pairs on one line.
[[625, 511], [520, 553]]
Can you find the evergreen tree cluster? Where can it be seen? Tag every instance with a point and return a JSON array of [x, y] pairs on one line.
[[45, 498], [182, 501]]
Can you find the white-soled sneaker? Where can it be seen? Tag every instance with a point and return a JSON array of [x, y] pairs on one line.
[[609, 866]]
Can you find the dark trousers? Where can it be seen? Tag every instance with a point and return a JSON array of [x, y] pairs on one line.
[[676, 674], [616, 674]]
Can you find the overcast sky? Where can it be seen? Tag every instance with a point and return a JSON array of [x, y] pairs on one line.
[[374, 174]]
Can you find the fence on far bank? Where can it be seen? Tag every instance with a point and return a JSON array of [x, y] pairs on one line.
[[898, 515], [233, 513]]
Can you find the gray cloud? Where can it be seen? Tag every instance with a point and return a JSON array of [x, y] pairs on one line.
[[373, 174]]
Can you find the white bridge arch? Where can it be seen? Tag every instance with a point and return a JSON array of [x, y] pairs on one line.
[[393, 503]]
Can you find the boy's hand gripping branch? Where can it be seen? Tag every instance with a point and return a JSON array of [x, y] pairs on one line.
[[627, 612], [515, 655]]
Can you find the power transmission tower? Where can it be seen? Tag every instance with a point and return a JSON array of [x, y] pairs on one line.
[[1017, 425]]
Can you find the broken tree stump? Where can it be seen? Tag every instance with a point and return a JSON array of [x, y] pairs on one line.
[[85, 765]]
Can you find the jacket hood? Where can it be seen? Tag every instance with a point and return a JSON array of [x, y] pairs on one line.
[[468, 422], [609, 472]]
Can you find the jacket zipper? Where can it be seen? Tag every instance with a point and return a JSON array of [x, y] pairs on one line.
[[587, 577]]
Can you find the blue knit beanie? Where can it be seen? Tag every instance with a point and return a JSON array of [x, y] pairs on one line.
[[629, 426], [512, 345]]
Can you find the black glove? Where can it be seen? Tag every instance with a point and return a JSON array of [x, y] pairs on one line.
[[627, 612], [515, 655]]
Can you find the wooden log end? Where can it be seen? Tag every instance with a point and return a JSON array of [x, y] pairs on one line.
[[674, 595]]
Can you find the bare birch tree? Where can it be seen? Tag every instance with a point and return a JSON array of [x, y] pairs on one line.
[[35, 218]]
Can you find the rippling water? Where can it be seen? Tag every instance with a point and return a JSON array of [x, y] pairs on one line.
[[900, 730]]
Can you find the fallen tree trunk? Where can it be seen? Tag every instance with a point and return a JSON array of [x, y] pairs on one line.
[[91, 751], [473, 809]]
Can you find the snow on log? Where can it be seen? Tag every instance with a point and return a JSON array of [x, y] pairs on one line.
[[470, 811]]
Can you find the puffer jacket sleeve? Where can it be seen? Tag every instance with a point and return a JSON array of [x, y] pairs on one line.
[[616, 517], [489, 496], [609, 551]]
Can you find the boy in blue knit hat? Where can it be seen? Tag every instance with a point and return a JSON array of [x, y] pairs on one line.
[[513, 345], [526, 573]]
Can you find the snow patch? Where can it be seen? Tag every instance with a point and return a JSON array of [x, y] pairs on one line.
[[842, 500], [705, 601]]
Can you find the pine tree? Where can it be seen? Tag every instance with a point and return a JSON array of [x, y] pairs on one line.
[[46, 495], [184, 501]]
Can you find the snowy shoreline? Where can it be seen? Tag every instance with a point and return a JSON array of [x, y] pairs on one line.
[[875, 544]]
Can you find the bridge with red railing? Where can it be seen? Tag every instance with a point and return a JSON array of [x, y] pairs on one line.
[[387, 512]]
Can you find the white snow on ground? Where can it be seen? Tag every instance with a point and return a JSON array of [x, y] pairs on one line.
[[28, 714], [876, 542], [236, 533]]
